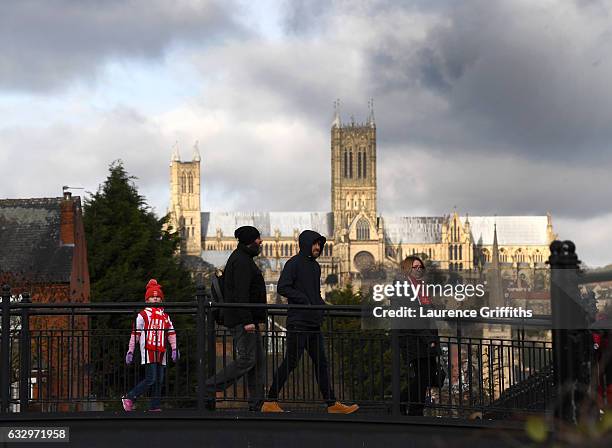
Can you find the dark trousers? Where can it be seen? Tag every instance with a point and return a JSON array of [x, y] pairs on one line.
[[298, 340], [250, 360], [154, 376], [422, 372]]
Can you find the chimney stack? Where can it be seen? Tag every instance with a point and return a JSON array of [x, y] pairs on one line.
[[67, 208]]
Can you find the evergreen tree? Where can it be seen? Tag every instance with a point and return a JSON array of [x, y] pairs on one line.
[[127, 244]]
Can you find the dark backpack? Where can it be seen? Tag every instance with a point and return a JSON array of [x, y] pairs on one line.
[[216, 289]]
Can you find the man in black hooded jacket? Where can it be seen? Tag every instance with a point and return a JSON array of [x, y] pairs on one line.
[[244, 283], [300, 282]]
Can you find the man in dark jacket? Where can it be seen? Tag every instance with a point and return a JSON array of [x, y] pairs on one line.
[[244, 283], [300, 282]]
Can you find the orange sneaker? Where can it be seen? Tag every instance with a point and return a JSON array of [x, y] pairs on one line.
[[271, 406], [339, 408]]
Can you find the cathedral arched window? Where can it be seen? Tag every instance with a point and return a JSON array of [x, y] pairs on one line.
[[359, 164], [460, 252], [351, 163], [450, 252], [455, 252], [363, 229], [345, 162], [365, 164], [183, 183], [189, 183]]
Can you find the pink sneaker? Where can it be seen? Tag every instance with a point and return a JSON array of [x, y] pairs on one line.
[[155, 410], [128, 405]]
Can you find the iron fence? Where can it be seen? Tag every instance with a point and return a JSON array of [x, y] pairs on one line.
[[57, 357]]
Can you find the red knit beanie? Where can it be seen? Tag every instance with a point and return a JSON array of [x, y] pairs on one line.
[[152, 288]]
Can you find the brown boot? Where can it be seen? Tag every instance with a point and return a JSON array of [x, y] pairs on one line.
[[339, 408], [271, 406]]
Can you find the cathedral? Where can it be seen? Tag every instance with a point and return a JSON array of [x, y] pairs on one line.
[[360, 240]]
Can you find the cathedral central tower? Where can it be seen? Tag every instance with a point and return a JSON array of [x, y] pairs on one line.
[[353, 170]]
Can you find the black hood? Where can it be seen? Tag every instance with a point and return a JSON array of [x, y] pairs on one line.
[[307, 239]]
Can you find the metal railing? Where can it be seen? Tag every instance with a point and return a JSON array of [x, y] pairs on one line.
[[58, 357], [575, 366]]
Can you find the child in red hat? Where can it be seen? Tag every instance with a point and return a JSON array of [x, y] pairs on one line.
[[152, 328]]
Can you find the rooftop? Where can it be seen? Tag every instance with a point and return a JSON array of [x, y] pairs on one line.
[[30, 239]]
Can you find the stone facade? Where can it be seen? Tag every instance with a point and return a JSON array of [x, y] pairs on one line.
[[360, 240]]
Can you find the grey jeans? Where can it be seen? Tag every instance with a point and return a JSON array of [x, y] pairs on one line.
[[250, 360]]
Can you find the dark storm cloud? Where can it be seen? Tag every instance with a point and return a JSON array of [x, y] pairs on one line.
[[514, 77], [527, 77], [46, 44]]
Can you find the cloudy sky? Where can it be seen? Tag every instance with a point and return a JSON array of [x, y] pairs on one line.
[[500, 107]]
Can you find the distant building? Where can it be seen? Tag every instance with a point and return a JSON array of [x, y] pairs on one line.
[[360, 240], [43, 252]]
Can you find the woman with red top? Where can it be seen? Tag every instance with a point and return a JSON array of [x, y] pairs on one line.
[[419, 347], [152, 328]]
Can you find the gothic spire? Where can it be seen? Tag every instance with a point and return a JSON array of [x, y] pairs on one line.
[[336, 123], [495, 251], [496, 295], [196, 152], [176, 157]]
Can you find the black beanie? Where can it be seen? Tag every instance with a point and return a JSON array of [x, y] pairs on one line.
[[246, 234]]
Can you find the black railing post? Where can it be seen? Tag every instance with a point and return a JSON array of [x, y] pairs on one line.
[[201, 347], [212, 349], [569, 321], [395, 373], [24, 356], [5, 350]]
